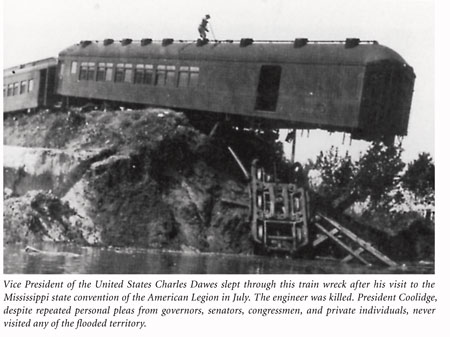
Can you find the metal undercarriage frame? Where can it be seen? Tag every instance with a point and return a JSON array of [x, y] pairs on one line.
[[279, 213]]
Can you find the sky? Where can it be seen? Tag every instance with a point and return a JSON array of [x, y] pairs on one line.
[[40, 29]]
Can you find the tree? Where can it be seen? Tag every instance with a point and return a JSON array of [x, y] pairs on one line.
[[419, 176], [375, 174], [337, 173], [378, 170]]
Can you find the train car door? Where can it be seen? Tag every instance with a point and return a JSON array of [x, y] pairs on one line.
[[268, 88]]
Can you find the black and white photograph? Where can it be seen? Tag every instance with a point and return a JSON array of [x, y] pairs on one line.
[[218, 137]]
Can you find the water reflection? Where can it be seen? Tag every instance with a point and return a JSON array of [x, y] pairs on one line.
[[70, 259]]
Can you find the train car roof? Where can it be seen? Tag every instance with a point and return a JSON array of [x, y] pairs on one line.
[[282, 52], [30, 66]]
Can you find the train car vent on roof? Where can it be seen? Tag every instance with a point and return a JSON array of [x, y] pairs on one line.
[[166, 42], [298, 43], [145, 42], [85, 43], [107, 42], [201, 42], [352, 42], [126, 42], [246, 42]]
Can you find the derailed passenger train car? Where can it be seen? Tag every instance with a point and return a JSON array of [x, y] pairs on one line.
[[30, 86], [361, 88]]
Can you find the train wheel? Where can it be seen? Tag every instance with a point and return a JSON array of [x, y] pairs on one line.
[[260, 232], [259, 174], [259, 201]]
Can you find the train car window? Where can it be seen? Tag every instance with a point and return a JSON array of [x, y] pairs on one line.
[[74, 67], [4, 91], [109, 72], [143, 74], [23, 87], [128, 77], [83, 71], [101, 71], [160, 75], [16, 88], [10, 89], [30, 85], [183, 77], [120, 72], [91, 71], [139, 74], [148, 74], [170, 75], [193, 76]]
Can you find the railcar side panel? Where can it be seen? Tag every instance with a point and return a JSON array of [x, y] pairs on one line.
[[30, 86], [321, 95], [22, 91], [221, 86], [318, 95]]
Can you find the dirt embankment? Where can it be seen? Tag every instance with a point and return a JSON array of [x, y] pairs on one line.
[[150, 180], [144, 178]]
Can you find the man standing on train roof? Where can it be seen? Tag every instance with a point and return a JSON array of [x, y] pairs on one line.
[[202, 27]]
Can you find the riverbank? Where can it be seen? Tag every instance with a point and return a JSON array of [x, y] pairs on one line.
[[147, 178], [125, 178]]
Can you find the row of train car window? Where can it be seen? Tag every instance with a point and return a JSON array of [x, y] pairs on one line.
[[161, 75], [18, 88]]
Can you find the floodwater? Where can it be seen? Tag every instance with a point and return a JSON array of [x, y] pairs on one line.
[[72, 259]]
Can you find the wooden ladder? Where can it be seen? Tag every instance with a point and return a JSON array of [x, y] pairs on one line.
[[354, 245]]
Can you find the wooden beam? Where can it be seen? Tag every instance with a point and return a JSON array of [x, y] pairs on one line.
[[350, 257], [294, 141], [367, 246], [342, 244], [323, 237], [238, 161], [235, 203]]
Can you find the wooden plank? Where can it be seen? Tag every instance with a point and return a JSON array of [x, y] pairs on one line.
[[350, 257], [340, 243], [323, 237], [367, 246], [235, 203], [238, 161]]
